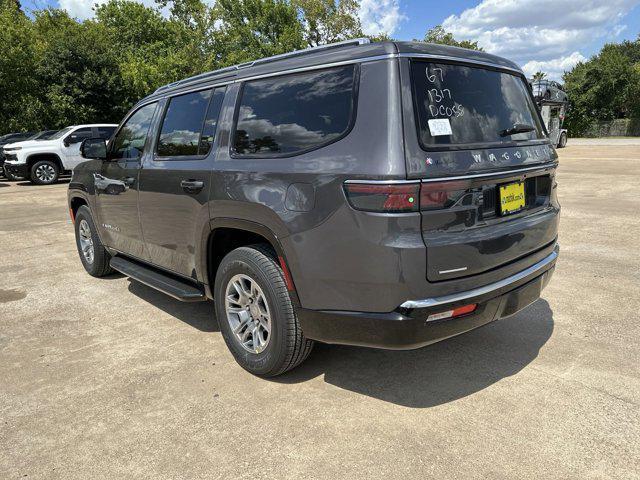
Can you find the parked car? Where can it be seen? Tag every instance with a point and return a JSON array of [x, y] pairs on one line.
[[388, 195], [11, 138], [548, 90], [43, 161]]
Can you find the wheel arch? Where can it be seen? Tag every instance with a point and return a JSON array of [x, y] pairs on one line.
[[226, 234], [36, 157]]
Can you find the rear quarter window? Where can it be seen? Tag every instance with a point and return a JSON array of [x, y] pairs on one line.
[[291, 114], [463, 105]]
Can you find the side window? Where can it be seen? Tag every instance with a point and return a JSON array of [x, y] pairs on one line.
[[79, 135], [183, 124], [294, 113], [130, 140], [106, 132]]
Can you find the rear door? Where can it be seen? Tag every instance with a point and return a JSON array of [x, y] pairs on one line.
[[475, 140], [174, 180]]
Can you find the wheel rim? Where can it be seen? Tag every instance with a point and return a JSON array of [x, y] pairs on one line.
[[86, 240], [45, 172], [248, 313]]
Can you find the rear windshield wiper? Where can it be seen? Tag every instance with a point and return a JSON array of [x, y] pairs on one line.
[[517, 128]]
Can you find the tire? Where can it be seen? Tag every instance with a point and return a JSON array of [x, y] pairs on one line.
[[280, 348], [96, 265], [563, 140], [44, 172]]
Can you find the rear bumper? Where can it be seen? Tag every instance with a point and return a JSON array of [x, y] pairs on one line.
[[407, 327]]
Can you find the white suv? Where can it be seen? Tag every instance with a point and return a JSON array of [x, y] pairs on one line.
[[43, 162]]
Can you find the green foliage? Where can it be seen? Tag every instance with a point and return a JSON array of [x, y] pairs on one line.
[[18, 59], [605, 87], [251, 29], [328, 21], [538, 76], [439, 35]]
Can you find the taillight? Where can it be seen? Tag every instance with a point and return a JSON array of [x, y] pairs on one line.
[[389, 198], [404, 197], [437, 195]]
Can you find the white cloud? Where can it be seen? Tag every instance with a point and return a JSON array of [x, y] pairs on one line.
[[80, 9], [84, 9], [549, 32], [378, 16], [555, 67]]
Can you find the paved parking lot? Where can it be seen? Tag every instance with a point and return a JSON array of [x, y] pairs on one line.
[[108, 378]]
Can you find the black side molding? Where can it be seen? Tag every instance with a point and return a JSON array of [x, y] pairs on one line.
[[165, 283]]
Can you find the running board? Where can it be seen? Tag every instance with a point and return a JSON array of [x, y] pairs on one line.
[[178, 289]]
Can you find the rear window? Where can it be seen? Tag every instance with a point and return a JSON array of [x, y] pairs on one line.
[[461, 105], [294, 113]]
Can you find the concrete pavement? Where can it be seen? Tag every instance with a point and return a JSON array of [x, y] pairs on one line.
[[106, 378]]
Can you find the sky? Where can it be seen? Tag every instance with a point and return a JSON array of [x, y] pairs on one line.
[[540, 35]]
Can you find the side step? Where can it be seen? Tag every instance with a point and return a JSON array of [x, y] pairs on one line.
[[178, 289]]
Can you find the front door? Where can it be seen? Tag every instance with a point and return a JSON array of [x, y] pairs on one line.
[[117, 185], [174, 180]]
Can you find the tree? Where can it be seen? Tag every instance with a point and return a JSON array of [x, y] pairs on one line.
[[18, 59], [439, 35], [605, 87], [539, 76], [328, 21], [78, 71], [251, 29]]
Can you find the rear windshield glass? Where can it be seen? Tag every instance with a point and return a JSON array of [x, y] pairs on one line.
[[458, 105]]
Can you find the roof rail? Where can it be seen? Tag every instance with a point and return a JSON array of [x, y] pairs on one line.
[[295, 53]]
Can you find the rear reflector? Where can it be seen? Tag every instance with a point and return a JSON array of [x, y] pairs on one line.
[[456, 312], [389, 198]]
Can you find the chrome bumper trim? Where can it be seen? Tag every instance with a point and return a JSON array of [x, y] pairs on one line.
[[457, 297]]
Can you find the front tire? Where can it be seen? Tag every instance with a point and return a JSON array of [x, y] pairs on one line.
[[255, 313], [44, 172], [94, 257]]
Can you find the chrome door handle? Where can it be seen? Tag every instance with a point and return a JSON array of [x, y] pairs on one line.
[[192, 186]]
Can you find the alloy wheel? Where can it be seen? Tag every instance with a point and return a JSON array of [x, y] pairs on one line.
[[45, 173], [86, 240], [248, 313]]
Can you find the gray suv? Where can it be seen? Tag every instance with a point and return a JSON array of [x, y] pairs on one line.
[[379, 194]]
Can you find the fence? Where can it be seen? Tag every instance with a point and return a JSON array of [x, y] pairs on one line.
[[622, 127]]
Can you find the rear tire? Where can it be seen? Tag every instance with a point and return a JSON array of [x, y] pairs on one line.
[[94, 257], [251, 295], [44, 172]]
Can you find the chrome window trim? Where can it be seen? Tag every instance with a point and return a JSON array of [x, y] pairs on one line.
[[460, 177], [387, 56], [477, 292]]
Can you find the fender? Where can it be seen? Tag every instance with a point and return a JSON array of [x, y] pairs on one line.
[[239, 224]]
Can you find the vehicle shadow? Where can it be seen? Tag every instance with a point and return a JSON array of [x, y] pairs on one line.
[[199, 315], [436, 374], [27, 183]]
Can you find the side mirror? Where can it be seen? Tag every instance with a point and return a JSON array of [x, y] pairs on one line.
[[71, 139], [94, 148]]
